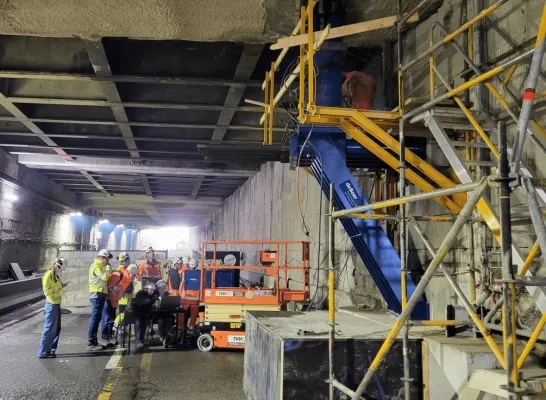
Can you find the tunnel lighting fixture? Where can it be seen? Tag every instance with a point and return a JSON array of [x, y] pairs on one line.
[[10, 197], [76, 214], [120, 226], [103, 221]]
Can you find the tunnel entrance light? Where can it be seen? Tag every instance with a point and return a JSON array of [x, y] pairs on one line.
[[10, 197]]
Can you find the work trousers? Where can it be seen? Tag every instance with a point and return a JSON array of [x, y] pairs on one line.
[[101, 310], [52, 329]]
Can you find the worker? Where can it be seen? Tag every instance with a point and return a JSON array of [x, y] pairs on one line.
[[118, 283], [132, 272], [150, 268], [174, 277], [99, 272], [189, 298], [124, 261], [141, 306], [164, 321], [52, 287]]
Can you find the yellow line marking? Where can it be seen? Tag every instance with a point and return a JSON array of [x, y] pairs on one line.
[[110, 384], [145, 367]]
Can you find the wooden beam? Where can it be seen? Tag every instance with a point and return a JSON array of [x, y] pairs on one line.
[[342, 31]]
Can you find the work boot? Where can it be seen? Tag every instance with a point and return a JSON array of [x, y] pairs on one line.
[[93, 346], [111, 343], [139, 345]]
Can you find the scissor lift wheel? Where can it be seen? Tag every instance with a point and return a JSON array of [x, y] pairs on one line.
[[205, 342]]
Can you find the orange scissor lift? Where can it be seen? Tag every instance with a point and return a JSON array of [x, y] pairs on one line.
[[281, 263]]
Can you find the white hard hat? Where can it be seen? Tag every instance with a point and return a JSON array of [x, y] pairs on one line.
[[161, 283], [149, 285], [133, 269], [123, 256], [59, 262], [104, 253]]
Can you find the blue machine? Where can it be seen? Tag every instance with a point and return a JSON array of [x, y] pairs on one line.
[[224, 278], [327, 153]]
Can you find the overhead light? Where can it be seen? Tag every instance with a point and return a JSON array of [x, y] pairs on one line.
[[103, 221], [79, 214], [10, 197], [72, 214], [76, 214]]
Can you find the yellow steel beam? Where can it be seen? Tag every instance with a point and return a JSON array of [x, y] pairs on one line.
[[420, 164], [394, 163], [301, 102], [347, 112]]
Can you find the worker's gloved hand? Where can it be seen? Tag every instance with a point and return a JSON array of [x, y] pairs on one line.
[[108, 269], [65, 283]]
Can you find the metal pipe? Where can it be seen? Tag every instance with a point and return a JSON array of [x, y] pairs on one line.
[[439, 323], [331, 297], [529, 93], [471, 263], [462, 297], [310, 60], [532, 341], [467, 187], [449, 240], [481, 78], [455, 33], [508, 272], [535, 213], [482, 104], [529, 260], [403, 223], [301, 100], [519, 332], [412, 12], [469, 115]]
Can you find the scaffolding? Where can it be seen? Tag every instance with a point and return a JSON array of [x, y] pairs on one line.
[[369, 129]]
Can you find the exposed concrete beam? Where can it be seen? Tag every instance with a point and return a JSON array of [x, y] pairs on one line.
[[131, 104], [239, 143], [95, 183], [99, 60], [22, 118], [153, 214], [249, 57], [144, 124], [122, 201], [63, 76], [121, 166], [101, 66]]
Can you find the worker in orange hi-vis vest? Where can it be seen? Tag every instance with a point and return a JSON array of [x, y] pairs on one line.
[[189, 298], [118, 282], [151, 267]]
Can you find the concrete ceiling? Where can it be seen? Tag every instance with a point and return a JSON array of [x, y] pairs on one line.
[[250, 21]]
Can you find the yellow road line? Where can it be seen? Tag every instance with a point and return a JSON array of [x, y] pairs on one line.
[[110, 384], [145, 367]]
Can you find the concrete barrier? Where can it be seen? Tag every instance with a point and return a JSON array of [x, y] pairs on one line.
[[18, 293]]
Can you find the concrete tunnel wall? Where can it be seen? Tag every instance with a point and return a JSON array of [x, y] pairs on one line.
[[32, 229]]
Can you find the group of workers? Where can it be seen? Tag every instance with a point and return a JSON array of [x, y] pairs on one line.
[[111, 292]]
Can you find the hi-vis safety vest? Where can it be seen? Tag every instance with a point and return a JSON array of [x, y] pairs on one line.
[[52, 287], [98, 276], [147, 270], [118, 282]]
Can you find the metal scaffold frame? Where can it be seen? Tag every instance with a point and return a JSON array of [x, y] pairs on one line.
[[369, 129]]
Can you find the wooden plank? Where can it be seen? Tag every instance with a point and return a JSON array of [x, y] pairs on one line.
[[342, 31]]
